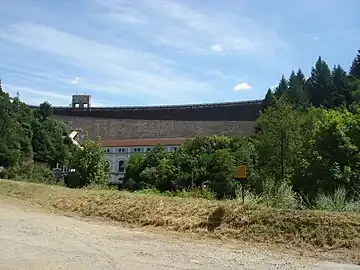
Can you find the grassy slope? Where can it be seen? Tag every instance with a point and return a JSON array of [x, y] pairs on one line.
[[310, 229]]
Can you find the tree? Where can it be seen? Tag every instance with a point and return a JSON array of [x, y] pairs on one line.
[[269, 99], [90, 164], [282, 89], [355, 66], [337, 144], [341, 92], [280, 142], [319, 84], [296, 92], [26, 135], [45, 110]]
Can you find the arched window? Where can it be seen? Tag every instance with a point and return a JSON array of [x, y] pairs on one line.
[[121, 166]]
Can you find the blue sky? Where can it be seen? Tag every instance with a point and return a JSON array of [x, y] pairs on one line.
[[150, 52]]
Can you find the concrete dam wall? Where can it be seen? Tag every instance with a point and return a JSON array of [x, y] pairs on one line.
[[233, 118], [111, 129]]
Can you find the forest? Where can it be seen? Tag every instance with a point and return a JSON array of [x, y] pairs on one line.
[[304, 153], [32, 143]]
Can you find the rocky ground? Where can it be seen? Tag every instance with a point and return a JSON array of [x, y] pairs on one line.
[[33, 239]]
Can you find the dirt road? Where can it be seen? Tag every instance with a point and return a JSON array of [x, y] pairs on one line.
[[33, 239]]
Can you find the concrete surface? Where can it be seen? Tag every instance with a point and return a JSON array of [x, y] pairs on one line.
[[33, 239]]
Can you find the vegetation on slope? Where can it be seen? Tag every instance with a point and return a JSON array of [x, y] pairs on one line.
[[306, 144], [304, 155], [32, 143], [313, 230], [305, 151]]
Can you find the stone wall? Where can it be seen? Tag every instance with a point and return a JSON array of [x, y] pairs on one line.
[[110, 129]]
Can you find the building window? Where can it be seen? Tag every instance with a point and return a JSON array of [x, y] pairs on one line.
[[108, 150], [148, 149], [121, 166], [137, 150]]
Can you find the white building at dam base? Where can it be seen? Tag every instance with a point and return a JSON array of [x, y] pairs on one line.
[[119, 151]]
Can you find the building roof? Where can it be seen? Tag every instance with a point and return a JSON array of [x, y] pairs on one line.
[[142, 142]]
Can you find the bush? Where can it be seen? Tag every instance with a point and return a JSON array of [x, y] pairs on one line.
[[90, 165], [337, 202], [211, 160], [31, 172], [279, 195]]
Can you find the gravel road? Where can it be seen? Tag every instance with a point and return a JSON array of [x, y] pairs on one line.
[[33, 239]]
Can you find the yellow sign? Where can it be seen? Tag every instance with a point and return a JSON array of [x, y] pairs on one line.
[[241, 172]]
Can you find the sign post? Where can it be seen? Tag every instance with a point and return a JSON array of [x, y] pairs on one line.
[[241, 175]]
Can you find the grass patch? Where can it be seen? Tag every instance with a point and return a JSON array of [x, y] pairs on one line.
[[310, 229]]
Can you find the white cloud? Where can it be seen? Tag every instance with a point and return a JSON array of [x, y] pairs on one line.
[[75, 80], [183, 27], [133, 72], [36, 96], [217, 48], [242, 87]]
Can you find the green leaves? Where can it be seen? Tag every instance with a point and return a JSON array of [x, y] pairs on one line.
[[321, 149], [27, 135], [90, 164], [323, 88], [355, 67], [203, 160]]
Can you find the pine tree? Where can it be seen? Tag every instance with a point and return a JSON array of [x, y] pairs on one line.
[[296, 93], [293, 90], [282, 89], [341, 93], [319, 84], [269, 99], [355, 67], [301, 77]]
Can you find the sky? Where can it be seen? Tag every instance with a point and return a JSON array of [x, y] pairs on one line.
[[152, 52]]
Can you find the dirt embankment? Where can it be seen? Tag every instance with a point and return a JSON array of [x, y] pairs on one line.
[[312, 231], [32, 239]]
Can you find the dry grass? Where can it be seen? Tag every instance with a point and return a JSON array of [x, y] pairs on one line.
[[310, 229]]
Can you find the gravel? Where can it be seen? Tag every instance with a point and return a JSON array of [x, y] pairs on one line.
[[33, 239]]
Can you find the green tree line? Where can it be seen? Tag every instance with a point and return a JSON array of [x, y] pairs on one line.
[[305, 149], [325, 87], [306, 145], [32, 143]]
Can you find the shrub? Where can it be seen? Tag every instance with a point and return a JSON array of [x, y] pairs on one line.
[[31, 172], [337, 202], [279, 195], [90, 165]]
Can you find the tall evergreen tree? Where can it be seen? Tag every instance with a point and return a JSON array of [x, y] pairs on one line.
[[355, 66], [269, 99], [296, 93], [282, 89], [319, 84], [301, 77], [304, 97], [341, 93], [292, 92]]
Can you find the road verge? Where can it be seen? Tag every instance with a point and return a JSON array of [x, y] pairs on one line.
[[229, 219]]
